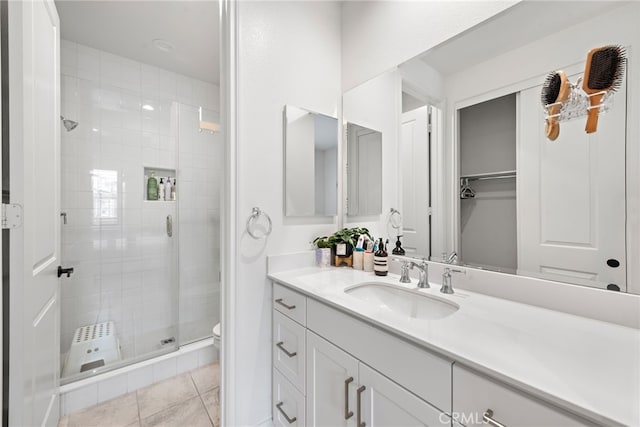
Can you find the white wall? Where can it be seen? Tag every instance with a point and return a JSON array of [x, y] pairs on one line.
[[288, 53], [376, 105], [379, 35]]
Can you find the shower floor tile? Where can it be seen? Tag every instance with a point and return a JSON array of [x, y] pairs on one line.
[[189, 399]]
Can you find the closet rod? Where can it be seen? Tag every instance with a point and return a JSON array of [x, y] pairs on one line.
[[490, 175]]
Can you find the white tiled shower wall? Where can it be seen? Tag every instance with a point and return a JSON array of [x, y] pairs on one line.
[[126, 267]]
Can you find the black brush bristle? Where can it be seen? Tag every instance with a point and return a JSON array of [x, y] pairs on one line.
[[607, 68], [550, 89]]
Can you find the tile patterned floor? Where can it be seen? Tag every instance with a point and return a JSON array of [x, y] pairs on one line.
[[191, 399]]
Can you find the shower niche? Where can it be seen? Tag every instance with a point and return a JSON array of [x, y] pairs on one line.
[[161, 175]]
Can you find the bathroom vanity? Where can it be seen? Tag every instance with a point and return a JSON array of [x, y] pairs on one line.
[[350, 347]]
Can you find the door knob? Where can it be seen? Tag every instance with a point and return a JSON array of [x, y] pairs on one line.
[[66, 271]]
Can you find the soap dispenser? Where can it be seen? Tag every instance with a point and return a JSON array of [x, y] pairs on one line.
[[398, 250], [152, 187]]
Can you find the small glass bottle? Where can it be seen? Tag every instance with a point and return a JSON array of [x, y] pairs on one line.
[[152, 187]]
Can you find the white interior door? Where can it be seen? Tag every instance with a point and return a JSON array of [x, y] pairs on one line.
[[34, 69], [571, 192], [414, 182]]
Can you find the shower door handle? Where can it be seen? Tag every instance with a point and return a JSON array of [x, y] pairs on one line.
[[169, 226]]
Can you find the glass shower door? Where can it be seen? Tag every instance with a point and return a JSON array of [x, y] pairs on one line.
[[121, 305]]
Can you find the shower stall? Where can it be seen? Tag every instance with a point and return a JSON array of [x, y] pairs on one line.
[[146, 272]]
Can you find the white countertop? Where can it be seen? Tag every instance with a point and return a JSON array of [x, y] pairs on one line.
[[587, 366]]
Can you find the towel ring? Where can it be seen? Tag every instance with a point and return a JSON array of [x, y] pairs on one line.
[[256, 213], [395, 218]]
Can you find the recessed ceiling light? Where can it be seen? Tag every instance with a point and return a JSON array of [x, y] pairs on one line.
[[148, 107], [162, 45], [95, 129]]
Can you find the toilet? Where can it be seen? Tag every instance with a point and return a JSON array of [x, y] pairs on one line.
[[216, 336]]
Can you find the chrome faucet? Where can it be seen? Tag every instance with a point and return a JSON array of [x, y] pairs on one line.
[[446, 280], [423, 278]]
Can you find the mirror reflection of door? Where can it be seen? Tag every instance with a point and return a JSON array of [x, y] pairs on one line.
[[573, 216], [414, 180], [364, 171]]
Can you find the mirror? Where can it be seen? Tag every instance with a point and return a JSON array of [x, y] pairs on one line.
[[475, 172], [364, 161], [311, 163]]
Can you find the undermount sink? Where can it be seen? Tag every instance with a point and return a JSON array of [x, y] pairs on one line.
[[402, 301]]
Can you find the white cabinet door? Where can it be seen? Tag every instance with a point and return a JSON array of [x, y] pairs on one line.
[[571, 210], [34, 96], [332, 378], [384, 403]]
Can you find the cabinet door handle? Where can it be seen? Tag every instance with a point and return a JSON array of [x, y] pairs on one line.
[[284, 414], [288, 307], [347, 413], [487, 417], [281, 347], [359, 422]]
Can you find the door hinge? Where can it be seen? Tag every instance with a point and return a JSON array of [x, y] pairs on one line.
[[429, 211], [11, 216]]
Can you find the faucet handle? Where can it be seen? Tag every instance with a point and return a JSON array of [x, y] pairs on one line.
[[446, 279], [404, 271]]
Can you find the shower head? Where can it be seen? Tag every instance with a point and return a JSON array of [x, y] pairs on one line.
[[69, 125]]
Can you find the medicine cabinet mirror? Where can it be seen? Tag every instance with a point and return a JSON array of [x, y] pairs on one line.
[[363, 165], [484, 181], [311, 163]]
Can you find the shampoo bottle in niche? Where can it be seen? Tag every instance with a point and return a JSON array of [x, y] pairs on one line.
[[161, 190], [173, 190], [167, 188], [381, 261], [152, 187]]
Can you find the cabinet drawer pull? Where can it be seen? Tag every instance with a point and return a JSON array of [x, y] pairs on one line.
[[281, 347], [487, 417], [287, 306], [347, 413], [284, 414], [360, 423]]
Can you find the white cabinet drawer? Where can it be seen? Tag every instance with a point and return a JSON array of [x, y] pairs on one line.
[[288, 406], [289, 352], [416, 369], [290, 303], [474, 394]]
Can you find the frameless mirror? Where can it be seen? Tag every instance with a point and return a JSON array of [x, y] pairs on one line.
[[311, 163], [477, 175], [363, 163]]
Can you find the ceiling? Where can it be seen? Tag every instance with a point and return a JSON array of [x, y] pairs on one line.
[[540, 19], [128, 28]]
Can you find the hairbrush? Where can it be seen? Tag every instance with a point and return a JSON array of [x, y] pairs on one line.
[[555, 90], [604, 71]]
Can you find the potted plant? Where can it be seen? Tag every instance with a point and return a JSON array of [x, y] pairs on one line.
[[323, 247], [344, 242]]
